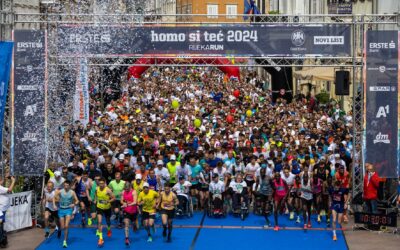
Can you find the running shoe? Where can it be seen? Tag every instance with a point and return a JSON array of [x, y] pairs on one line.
[[309, 225], [334, 238], [83, 223], [305, 227], [89, 221], [149, 239], [65, 244], [100, 243], [298, 219], [345, 219], [97, 233], [169, 239], [319, 219], [109, 233], [127, 242], [47, 234], [267, 225], [291, 217], [276, 228], [59, 234]]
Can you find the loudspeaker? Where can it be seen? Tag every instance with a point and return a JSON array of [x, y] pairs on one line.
[[342, 83]]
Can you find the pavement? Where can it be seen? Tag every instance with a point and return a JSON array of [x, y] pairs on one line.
[[356, 239]]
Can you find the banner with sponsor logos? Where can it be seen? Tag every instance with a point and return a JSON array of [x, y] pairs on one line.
[[28, 146], [5, 69], [81, 97], [19, 216], [381, 104], [252, 40]]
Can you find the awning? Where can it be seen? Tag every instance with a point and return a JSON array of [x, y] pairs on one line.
[[316, 74]]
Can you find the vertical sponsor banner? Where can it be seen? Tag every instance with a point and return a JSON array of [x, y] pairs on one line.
[[5, 68], [19, 216], [382, 58], [28, 144], [81, 97]]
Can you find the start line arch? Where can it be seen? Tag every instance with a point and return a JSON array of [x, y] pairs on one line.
[[269, 40]]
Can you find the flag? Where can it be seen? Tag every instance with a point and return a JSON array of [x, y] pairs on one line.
[[250, 9]]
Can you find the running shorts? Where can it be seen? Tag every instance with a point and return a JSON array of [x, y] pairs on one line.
[[338, 207], [53, 214], [64, 212], [147, 215], [131, 217], [169, 213], [105, 212]]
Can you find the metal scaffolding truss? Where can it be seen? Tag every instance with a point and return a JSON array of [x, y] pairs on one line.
[[65, 67]]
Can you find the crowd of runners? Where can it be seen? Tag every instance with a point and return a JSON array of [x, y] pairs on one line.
[[189, 137]]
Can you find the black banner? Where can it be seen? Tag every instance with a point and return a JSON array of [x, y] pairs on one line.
[[328, 40], [382, 102], [28, 140]]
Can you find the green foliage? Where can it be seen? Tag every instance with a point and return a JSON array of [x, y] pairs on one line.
[[273, 12], [323, 98]]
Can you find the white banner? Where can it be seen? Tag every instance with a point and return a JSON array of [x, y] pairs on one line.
[[81, 97], [18, 216]]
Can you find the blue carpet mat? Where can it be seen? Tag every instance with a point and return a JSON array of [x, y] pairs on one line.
[[217, 233]]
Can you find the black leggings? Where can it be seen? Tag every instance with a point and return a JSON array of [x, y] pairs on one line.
[[306, 210], [217, 203], [236, 197]]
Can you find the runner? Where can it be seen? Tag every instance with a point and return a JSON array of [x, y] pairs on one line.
[[50, 211], [117, 186], [82, 187], [338, 196], [103, 199], [93, 188], [317, 195], [172, 169], [280, 195], [130, 210], [263, 190], [67, 200], [168, 201], [306, 198], [148, 200]]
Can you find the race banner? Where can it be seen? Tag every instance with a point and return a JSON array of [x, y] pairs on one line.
[[19, 216], [81, 97], [5, 69], [381, 93], [28, 145], [251, 40]]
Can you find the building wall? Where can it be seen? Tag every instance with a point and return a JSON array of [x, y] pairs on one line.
[[200, 7]]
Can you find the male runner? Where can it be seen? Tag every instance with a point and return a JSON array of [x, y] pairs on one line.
[[50, 211], [129, 205], [168, 201], [83, 184], [117, 186], [338, 200], [67, 200], [104, 197], [148, 199]]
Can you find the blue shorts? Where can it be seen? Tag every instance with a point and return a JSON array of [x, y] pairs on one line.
[[338, 207], [63, 212], [3, 217]]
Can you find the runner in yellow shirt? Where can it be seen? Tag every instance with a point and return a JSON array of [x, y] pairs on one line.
[[168, 201], [104, 197], [148, 199]]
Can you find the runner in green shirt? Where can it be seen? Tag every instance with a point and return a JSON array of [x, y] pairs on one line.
[[117, 186], [92, 194]]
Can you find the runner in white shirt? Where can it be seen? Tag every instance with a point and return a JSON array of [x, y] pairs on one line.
[[50, 210], [162, 173], [250, 173], [220, 170], [57, 180], [239, 191]]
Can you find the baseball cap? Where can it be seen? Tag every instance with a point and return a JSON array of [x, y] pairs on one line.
[[138, 177], [181, 177], [173, 158], [263, 165], [215, 175], [145, 185], [121, 157], [337, 155], [57, 174], [160, 162]]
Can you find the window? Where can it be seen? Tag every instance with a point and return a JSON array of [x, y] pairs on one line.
[[231, 11], [212, 10]]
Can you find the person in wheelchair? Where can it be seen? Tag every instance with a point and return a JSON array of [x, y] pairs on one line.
[[238, 188], [182, 189], [216, 188]]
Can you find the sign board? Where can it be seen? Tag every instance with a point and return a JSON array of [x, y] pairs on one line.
[[237, 40], [19, 216]]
